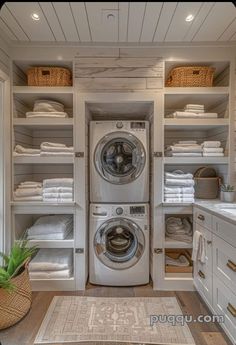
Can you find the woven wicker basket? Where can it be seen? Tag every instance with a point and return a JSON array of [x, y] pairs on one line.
[[15, 305], [49, 76], [191, 76], [206, 186]]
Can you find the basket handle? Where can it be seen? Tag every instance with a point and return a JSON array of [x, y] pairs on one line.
[[197, 71], [45, 71]]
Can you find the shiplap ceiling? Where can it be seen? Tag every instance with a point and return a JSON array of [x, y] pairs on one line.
[[139, 22]]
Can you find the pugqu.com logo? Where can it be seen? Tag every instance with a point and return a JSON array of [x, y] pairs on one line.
[[182, 319]]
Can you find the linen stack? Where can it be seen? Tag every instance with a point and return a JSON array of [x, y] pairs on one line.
[[179, 229], [28, 191], [184, 149], [51, 263], [58, 190], [52, 227], [212, 149], [47, 108], [178, 187], [193, 111], [55, 149], [26, 152]]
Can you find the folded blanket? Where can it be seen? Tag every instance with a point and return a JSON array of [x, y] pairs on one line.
[[185, 148], [57, 195], [26, 183], [178, 175], [211, 144], [58, 190], [31, 114], [179, 190], [28, 198], [51, 224], [22, 150], [213, 149], [58, 182], [179, 182], [19, 192], [182, 261], [52, 259], [52, 154], [187, 154], [213, 154], [29, 186], [54, 147], [62, 274]]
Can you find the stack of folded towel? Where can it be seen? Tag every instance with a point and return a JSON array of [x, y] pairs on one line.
[[184, 149], [23, 151], [58, 189], [56, 149], [181, 261], [53, 227], [178, 187], [179, 229], [28, 191], [193, 111], [51, 264], [47, 108], [212, 149]]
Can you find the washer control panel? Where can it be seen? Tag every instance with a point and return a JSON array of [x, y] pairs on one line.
[[134, 211]]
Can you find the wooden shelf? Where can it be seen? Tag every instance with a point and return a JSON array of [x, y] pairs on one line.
[[44, 160], [38, 123], [197, 90], [195, 160], [40, 207], [169, 243], [194, 124], [66, 243]]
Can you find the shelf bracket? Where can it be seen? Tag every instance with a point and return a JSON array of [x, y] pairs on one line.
[[157, 154], [158, 250], [79, 154], [79, 250]]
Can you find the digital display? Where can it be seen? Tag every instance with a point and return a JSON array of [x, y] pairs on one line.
[[137, 124], [137, 210]]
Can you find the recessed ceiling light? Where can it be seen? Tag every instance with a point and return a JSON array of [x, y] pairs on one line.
[[35, 16], [189, 18]]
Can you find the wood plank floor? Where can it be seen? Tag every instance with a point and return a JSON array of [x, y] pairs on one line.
[[191, 304]]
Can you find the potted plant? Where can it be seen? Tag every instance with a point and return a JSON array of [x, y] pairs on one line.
[[15, 289], [227, 193]]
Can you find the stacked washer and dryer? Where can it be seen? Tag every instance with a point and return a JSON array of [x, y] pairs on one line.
[[119, 209]]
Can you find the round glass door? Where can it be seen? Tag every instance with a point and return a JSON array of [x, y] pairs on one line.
[[119, 243], [119, 158]]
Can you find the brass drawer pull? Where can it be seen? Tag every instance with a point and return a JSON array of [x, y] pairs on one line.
[[158, 250], [231, 309], [201, 217], [201, 274], [231, 265]]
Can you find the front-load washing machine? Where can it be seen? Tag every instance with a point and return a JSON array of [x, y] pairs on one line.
[[119, 244], [119, 161]]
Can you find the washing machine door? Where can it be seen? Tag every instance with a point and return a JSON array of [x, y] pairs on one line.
[[119, 157], [119, 243]]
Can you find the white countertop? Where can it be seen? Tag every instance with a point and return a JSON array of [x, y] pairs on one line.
[[216, 207]]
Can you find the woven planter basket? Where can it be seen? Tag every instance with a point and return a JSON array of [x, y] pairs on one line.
[[15, 305], [191, 76], [49, 76]]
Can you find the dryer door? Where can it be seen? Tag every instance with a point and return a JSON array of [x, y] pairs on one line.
[[119, 157], [119, 243]]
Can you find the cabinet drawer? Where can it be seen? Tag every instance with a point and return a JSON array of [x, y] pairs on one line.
[[224, 303], [224, 262], [203, 281], [208, 237], [203, 218], [225, 230]]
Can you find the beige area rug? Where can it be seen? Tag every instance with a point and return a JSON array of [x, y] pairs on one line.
[[98, 320]]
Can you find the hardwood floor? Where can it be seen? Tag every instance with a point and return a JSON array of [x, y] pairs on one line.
[[191, 304]]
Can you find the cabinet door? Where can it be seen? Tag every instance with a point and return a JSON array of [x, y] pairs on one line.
[[225, 230], [224, 262], [224, 303], [202, 218]]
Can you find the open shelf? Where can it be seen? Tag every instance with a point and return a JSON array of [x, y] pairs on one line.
[[66, 243], [195, 160], [40, 123], [197, 124], [44, 160], [169, 243], [215, 90], [23, 207]]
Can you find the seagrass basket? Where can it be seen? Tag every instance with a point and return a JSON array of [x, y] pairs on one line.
[[14, 305], [191, 76], [49, 76], [206, 183]]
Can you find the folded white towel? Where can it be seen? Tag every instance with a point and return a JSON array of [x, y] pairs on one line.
[[23, 150], [27, 192], [179, 182], [212, 154], [187, 154], [26, 183], [58, 190], [31, 114], [179, 190], [178, 175], [187, 142], [196, 106], [177, 200], [51, 259], [182, 261], [16, 154], [179, 195], [58, 200], [211, 144], [185, 148], [213, 149], [54, 147], [53, 154], [58, 182], [46, 144], [56, 236], [29, 186], [29, 198], [57, 195], [62, 274], [199, 247], [51, 224]]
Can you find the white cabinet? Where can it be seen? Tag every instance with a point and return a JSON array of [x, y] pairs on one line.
[[215, 280]]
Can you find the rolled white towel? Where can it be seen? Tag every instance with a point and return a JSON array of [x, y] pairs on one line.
[[211, 144], [58, 182]]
